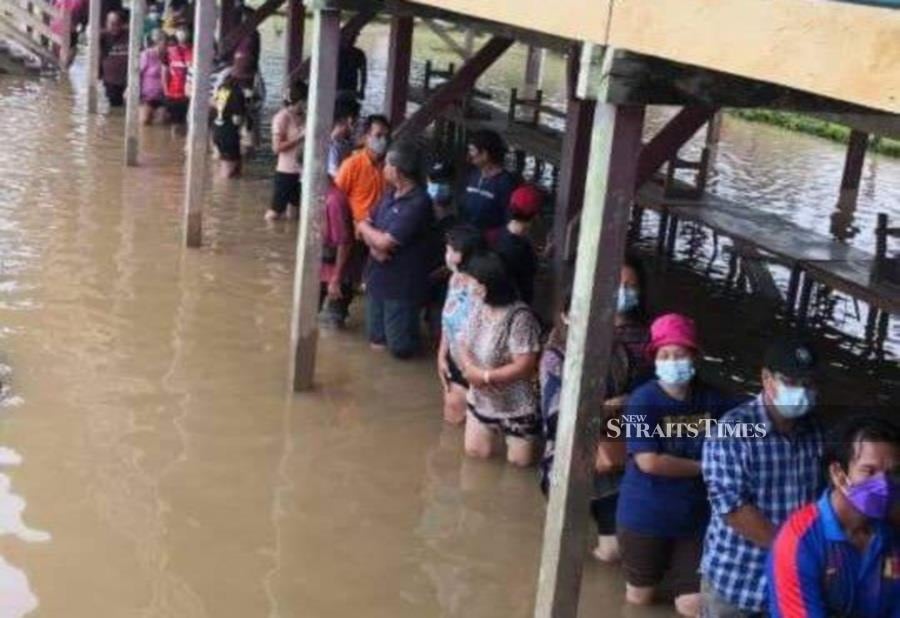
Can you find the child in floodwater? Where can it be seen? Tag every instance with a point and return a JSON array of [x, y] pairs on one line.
[[230, 108]]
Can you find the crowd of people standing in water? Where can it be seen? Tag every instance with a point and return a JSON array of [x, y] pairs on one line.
[[731, 507]]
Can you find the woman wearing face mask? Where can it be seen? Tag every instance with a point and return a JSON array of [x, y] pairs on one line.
[[840, 556], [663, 509], [463, 242]]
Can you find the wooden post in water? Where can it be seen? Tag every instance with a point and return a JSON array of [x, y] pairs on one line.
[[615, 143], [534, 70], [294, 33], [228, 17], [133, 102], [399, 60], [95, 20], [198, 122], [319, 117], [853, 163]]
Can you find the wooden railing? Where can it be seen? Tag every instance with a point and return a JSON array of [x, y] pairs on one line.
[[27, 23]]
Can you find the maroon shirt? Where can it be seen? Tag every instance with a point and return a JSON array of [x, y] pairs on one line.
[[114, 58]]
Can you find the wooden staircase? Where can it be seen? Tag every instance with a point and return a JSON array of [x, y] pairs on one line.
[[28, 45]]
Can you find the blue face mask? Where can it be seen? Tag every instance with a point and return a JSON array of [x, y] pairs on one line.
[[678, 371], [439, 191], [794, 401], [627, 300]]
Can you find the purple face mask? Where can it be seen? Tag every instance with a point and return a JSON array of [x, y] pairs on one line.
[[872, 497]]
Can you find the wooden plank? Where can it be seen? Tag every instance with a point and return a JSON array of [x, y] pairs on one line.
[[198, 122], [447, 39], [322, 93], [133, 100], [854, 277], [228, 18], [666, 143], [261, 13], [65, 45], [853, 163], [885, 125], [21, 38], [349, 30], [456, 87], [534, 70], [399, 62], [92, 73], [615, 143], [295, 30], [22, 16]]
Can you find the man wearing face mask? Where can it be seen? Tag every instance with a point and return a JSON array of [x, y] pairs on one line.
[[840, 556], [756, 482], [361, 175]]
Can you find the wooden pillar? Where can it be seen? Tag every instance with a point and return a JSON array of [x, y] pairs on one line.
[[95, 20], [853, 163], [534, 70], [570, 195], [469, 43], [615, 143], [322, 92], [713, 137], [293, 39], [133, 102], [228, 18], [198, 122], [399, 60]]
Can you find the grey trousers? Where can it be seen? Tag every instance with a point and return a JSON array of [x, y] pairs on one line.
[[713, 605]]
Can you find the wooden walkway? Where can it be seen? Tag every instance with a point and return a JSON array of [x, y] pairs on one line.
[[819, 257]]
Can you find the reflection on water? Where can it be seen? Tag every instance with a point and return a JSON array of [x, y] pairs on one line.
[[177, 476]]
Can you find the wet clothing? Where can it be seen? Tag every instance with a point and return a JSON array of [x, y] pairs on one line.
[[525, 427], [231, 107], [337, 231], [245, 62], [647, 559], [286, 192], [177, 110], [404, 276], [495, 336], [178, 64], [151, 65], [521, 262], [486, 200], [114, 59], [362, 180], [777, 474], [351, 62], [814, 569], [395, 324], [665, 506], [286, 125]]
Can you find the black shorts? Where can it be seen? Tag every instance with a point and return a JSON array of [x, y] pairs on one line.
[[227, 139], [153, 103], [287, 191], [73, 39], [115, 94], [177, 110], [454, 374], [527, 427], [646, 560]]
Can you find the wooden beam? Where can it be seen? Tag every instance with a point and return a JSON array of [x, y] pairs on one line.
[[447, 39], [884, 125], [454, 88], [65, 40], [399, 60], [228, 18], [351, 29], [322, 93], [853, 163], [666, 143], [261, 14], [92, 73], [534, 70], [615, 143], [133, 101], [293, 38], [198, 122]]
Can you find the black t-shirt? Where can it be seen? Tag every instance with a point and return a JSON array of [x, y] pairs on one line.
[[521, 261], [350, 62]]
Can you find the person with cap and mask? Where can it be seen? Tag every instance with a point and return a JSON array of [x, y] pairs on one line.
[[757, 479], [513, 244], [840, 556], [663, 508]]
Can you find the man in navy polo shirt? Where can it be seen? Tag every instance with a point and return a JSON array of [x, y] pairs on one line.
[[840, 556], [397, 235]]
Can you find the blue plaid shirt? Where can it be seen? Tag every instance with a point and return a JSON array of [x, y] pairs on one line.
[[777, 474]]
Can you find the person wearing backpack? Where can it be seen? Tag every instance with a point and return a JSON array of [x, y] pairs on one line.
[[499, 357]]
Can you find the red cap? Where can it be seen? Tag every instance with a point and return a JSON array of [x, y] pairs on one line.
[[672, 329], [526, 201]]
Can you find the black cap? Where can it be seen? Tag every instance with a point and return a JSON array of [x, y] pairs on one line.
[[440, 171], [791, 358]]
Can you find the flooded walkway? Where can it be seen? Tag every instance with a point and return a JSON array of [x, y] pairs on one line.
[[160, 448]]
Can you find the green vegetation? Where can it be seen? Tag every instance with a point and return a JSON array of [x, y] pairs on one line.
[[813, 126]]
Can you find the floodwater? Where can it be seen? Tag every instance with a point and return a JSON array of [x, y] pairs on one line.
[[154, 464]]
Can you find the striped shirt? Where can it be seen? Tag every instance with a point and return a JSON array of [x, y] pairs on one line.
[[777, 474]]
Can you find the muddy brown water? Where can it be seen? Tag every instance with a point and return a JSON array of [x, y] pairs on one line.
[[167, 471]]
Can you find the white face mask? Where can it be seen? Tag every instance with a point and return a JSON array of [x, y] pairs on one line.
[[378, 145], [181, 36], [793, 401]]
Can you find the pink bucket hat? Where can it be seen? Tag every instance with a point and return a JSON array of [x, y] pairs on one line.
[[672, 329]]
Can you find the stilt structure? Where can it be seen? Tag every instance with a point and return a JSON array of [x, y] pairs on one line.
[[294, 33], [534, 70], [92, 76], [198, 122], [853, 164], [133, 101], [322, 92], [399, 60], [615, 143]]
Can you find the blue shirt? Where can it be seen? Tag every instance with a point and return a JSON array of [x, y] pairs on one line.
[[404, 276], [777, 474], [487, 199], [814, 570], [662, 505]]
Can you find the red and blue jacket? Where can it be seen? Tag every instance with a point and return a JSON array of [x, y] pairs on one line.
[[815, 572]]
